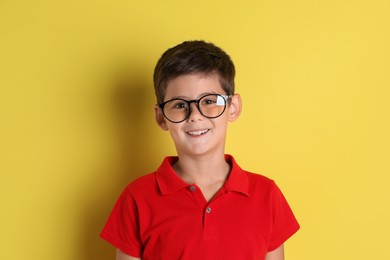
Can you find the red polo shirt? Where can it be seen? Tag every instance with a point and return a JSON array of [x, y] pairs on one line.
[[159, 216]]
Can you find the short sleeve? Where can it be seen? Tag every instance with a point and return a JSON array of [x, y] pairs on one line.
[[284, 223], [122, 228]]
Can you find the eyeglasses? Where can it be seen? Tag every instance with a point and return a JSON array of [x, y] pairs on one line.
[[178, 110]]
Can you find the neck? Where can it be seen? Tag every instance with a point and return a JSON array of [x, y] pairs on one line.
[[202, 170]]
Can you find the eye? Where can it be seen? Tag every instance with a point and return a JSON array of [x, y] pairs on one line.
[[209, 100], [178, 104]]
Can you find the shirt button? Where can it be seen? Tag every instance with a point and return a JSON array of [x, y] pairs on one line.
[[192, 188], [208, 210]]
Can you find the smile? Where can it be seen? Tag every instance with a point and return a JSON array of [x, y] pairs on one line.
[[197, 133]]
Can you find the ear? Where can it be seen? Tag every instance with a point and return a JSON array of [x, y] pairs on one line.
[[160, 119], [235, 107]]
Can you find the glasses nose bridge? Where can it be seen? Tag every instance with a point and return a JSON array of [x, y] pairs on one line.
[[189, 102], [196, 101]]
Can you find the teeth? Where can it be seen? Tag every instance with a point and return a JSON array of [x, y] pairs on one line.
[[198, 132]]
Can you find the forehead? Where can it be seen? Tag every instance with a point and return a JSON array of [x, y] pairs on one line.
[[193, 86]]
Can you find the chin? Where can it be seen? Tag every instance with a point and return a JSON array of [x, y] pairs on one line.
[[201, 151]]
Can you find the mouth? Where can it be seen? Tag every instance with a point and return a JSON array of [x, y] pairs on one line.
[[198, 133]]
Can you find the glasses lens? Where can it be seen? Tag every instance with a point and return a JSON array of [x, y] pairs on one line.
[[212, 105], [176, 110]]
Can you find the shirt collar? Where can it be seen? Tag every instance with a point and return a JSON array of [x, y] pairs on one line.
[[169, 182], [238, 179], [167, 179]]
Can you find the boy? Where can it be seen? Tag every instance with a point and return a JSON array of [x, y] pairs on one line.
[[199, 204]]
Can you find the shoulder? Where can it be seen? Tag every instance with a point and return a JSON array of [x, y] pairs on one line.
[[142, 185], [261, 187], [154, 184], [259, 180]]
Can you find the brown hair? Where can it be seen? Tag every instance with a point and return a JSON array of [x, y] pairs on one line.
[[193, 57]]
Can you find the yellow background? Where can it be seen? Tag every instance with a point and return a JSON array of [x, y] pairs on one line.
[[76, 104]]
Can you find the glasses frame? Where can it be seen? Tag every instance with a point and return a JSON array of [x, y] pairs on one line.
[[196, 101]]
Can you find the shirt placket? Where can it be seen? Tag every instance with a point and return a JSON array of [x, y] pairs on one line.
[[209, 218]]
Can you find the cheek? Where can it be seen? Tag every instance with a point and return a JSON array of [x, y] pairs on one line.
[[223, 120], [174, 129]]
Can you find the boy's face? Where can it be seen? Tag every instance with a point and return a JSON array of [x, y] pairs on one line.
[[198, 135]]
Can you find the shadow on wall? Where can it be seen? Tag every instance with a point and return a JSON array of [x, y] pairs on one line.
[[133, 116]]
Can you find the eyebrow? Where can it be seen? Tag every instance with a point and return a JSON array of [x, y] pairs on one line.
[[187, 98]]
